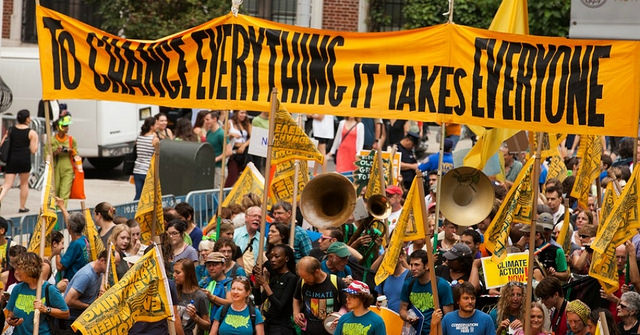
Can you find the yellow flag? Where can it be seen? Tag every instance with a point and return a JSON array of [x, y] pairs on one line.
[[48, 216], [564, 238], [90, 231], [150, 204], [589, 168], [411, 214], [603, 265], [282, 183], [608, 200], [290, 141], [550, 142], [141, 295], [250, 181], [374, 186], [512, 17], [557, 169], [622, 221], [516, 207]]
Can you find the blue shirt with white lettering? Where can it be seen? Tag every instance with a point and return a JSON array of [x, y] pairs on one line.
[[479, 323]]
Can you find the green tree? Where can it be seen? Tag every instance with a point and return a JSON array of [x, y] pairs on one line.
[[153, 19], [547, 18]]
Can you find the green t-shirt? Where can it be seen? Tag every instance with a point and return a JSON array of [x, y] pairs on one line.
[[260, 122], [215, 138]]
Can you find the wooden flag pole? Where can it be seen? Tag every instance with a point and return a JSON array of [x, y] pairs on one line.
[[438, 187], [36, 312], [48, 150], [532, 234], [603, 322], [156, 181], [223, 164], [267, 173], [294, 203], [294, 200], [171, 319], [435, 329]]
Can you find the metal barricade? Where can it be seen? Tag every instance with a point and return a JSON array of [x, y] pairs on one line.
[[204, 203], [129, 209]]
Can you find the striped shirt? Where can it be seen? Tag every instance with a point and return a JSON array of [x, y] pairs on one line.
[[144, 151]]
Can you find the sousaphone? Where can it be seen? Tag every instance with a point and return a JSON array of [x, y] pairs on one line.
[[328, 200], [466, 196]]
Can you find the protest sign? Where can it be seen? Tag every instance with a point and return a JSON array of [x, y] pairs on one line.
[[258, 142], [513, 268], [445, 73]]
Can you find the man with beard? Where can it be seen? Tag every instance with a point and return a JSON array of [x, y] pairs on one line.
[[467, 319]]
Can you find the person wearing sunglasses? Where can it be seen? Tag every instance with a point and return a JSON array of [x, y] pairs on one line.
[[628, 309], [581, 258]]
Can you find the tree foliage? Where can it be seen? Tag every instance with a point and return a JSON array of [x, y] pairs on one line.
[[548, 17], [153, 19]]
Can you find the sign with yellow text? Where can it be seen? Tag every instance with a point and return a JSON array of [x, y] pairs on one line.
[[512, 269], [447, 73]]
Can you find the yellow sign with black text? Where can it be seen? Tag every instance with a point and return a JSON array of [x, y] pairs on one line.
[[513, 268], [448, 73]]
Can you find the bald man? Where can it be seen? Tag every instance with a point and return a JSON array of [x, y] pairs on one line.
[[326, 292]]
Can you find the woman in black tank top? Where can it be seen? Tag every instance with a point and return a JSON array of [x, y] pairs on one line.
[[23, 143]]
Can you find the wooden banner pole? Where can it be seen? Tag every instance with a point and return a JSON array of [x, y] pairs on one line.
[[435, 329], [223, 164], [532, 234], [267, 173], [438, 187], [294, 203]]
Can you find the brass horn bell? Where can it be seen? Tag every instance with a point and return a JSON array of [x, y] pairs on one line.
[[328, 200], [466, 196], [378, 206]]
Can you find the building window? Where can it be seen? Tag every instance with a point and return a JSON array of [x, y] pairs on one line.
[[77, 9], [283, 11], [387, 14]]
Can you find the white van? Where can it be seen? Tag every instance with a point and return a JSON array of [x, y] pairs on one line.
[[105, 130]]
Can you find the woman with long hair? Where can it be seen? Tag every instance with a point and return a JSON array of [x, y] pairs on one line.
[[23, 142], [276, 295], [278, 234], [509, 312], [103, 217], [539, 317], [121, 240], [22, 302], [200, 127], [594, 316], [184, 131], [146, 143], [348, 143], [239, 133], [193, 305], [241, 309], [175, 232], [161, 127]]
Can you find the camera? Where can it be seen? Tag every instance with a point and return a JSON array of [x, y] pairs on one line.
[[65, 149]]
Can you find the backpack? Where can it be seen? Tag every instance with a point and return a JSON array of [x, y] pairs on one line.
[[252, 315], [54, 325]]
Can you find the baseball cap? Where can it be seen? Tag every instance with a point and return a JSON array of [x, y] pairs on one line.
[[339, 248], [357, 287], [393, 189], [458, 250], [414, 137], [546, 220], [215, 257]]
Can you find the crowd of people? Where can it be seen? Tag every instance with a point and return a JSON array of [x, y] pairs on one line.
[[325, 281]]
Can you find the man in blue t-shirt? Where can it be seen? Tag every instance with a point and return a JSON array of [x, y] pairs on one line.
[[391, 287], [417, 292], [467, 320], [84, 287], [433, 159], [337, 259]]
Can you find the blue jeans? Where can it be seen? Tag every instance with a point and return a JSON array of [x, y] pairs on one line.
[[139, 182]]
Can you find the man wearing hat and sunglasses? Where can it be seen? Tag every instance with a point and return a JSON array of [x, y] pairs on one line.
[[360, 320], [549, 256]]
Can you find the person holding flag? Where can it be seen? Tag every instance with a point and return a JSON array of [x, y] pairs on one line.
[[84, 288], [360, 320]]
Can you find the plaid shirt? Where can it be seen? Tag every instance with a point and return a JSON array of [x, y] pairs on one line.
[[301, 243]]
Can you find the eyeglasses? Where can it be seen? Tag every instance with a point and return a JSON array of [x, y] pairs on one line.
[[325, 237]]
